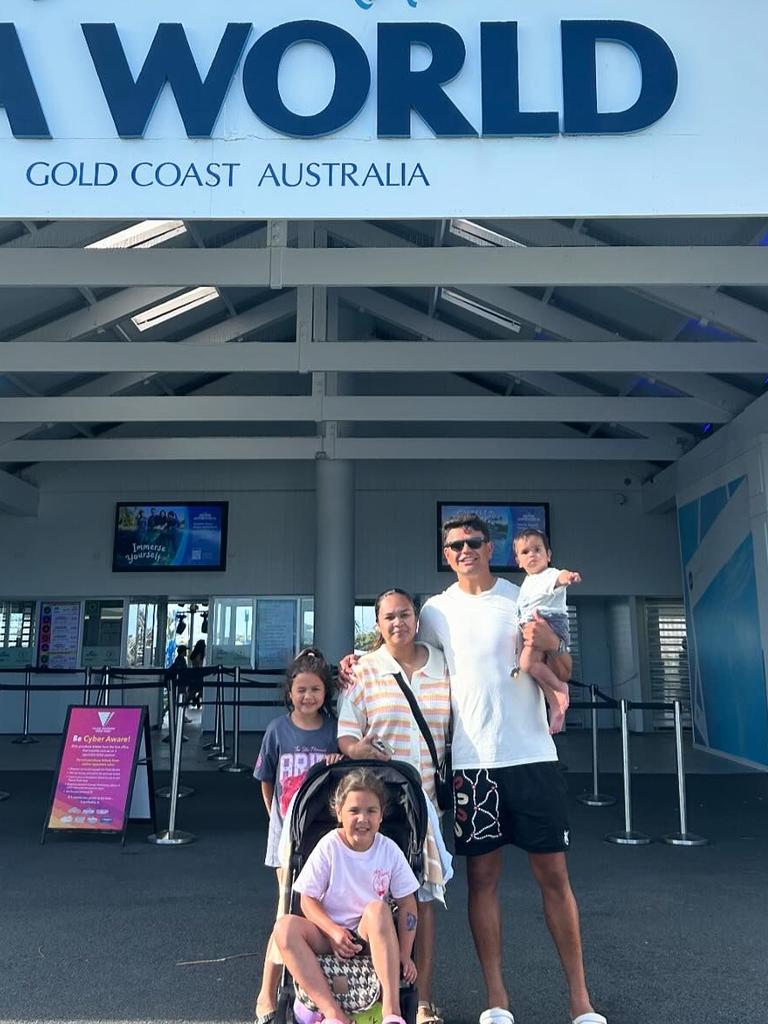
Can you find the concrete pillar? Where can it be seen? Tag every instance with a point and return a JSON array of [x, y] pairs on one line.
[[335, 557]]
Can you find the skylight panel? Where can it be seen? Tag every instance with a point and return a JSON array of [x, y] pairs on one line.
[[141, 236], [479, 235], [165, 311], [493, 316]]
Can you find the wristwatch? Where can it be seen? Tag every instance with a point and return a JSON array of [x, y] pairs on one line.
[[562, 647]]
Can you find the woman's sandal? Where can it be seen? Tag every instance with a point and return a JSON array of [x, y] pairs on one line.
[[428, 1013]]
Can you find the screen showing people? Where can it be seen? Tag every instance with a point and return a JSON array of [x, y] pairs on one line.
[[151, 538]]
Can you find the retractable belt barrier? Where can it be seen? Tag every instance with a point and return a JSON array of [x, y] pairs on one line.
[[594, 798], [107, 678], [628, 836]]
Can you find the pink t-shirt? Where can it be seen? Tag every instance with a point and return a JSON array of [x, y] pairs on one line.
[[346, 881]]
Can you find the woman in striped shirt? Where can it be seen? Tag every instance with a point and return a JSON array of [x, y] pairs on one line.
[[376, 722]]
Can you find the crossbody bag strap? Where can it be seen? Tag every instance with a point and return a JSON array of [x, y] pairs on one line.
[[420, 720]]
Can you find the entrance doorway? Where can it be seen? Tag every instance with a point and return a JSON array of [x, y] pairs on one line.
[[186, 623]]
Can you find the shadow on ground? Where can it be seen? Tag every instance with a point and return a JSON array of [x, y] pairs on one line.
[[93, 932]]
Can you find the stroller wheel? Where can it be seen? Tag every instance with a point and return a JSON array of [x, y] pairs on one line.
[[409, 1003], [284, 1011]]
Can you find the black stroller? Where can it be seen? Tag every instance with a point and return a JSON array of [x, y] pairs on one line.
[[405, 823]]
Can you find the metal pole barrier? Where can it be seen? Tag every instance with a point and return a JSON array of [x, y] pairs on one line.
[[627, 837], [595, 798], [87, 686], [683, 837], [235, 767], [170, 836], [214, 746], [175, 696], [219, 749], [25, 738], [103, 698]]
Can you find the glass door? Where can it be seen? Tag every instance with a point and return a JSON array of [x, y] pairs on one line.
[[142, 637], [232, 632]]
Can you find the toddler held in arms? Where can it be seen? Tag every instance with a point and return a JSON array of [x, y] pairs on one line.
[[543, 591]]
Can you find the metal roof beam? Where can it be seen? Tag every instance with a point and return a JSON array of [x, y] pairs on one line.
[[593, 266], [515, 357], [381, 408], [703, 303], [422, 325], [250, 449]]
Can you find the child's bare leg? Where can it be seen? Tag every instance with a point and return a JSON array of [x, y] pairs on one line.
[[301, 942], [377, 927], [270, 979], [555, 691], [424, 950]]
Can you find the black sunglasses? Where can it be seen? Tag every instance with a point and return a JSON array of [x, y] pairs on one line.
[[473, 543]]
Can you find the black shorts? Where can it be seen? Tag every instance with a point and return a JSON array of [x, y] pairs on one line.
[[524, 805]]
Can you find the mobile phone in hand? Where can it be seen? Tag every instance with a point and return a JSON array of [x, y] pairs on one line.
[[382, 746]]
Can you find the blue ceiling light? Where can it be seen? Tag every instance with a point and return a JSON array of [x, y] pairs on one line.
[[695, 329]]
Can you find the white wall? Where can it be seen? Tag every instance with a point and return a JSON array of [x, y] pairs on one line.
[[619, 549], [67, 550]]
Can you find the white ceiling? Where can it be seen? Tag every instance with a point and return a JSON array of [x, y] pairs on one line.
[[355, 358]]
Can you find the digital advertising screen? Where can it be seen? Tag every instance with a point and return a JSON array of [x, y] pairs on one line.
[[505, 520], [171, 537]]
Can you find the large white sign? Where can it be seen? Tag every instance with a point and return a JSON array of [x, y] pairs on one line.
[[382, 108]]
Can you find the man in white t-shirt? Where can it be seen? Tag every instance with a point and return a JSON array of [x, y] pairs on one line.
[[509, 787]]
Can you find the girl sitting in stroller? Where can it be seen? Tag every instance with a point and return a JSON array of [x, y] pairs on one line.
[[345, 888]]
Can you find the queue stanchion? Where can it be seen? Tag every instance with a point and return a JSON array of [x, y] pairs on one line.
[[219, 748], [87, 686], [175, 696], [215, 745], [172, 836], [234, 767], [25, 738], [102, 698], [628, 837], [595, 798], [683, 837]]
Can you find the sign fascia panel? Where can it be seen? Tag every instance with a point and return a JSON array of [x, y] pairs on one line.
[[381, 108]]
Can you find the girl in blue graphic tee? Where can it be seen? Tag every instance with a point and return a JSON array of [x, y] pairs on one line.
[[291, 745]]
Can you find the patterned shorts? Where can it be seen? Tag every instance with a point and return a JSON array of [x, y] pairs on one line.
[[524, 805]]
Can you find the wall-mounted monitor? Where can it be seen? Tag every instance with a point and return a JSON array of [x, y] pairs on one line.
[[505, 519], [170, 537]]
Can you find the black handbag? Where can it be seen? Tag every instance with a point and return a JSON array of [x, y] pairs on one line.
[[443, 771]]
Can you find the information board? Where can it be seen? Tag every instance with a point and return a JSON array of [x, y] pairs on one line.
[[275, 632], [59, 634], [96, 777]]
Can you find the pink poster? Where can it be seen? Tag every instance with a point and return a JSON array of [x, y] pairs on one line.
[[93, 787]]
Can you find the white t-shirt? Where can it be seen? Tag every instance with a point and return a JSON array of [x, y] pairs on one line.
[[540, 593], [497, 721], [346, 881]]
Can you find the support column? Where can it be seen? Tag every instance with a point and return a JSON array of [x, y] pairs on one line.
[[335, 557]]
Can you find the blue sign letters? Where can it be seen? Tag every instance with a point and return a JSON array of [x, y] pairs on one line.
[[400, 89]]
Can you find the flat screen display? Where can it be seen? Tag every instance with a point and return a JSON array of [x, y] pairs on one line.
[[505, 520], [172, 537]]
